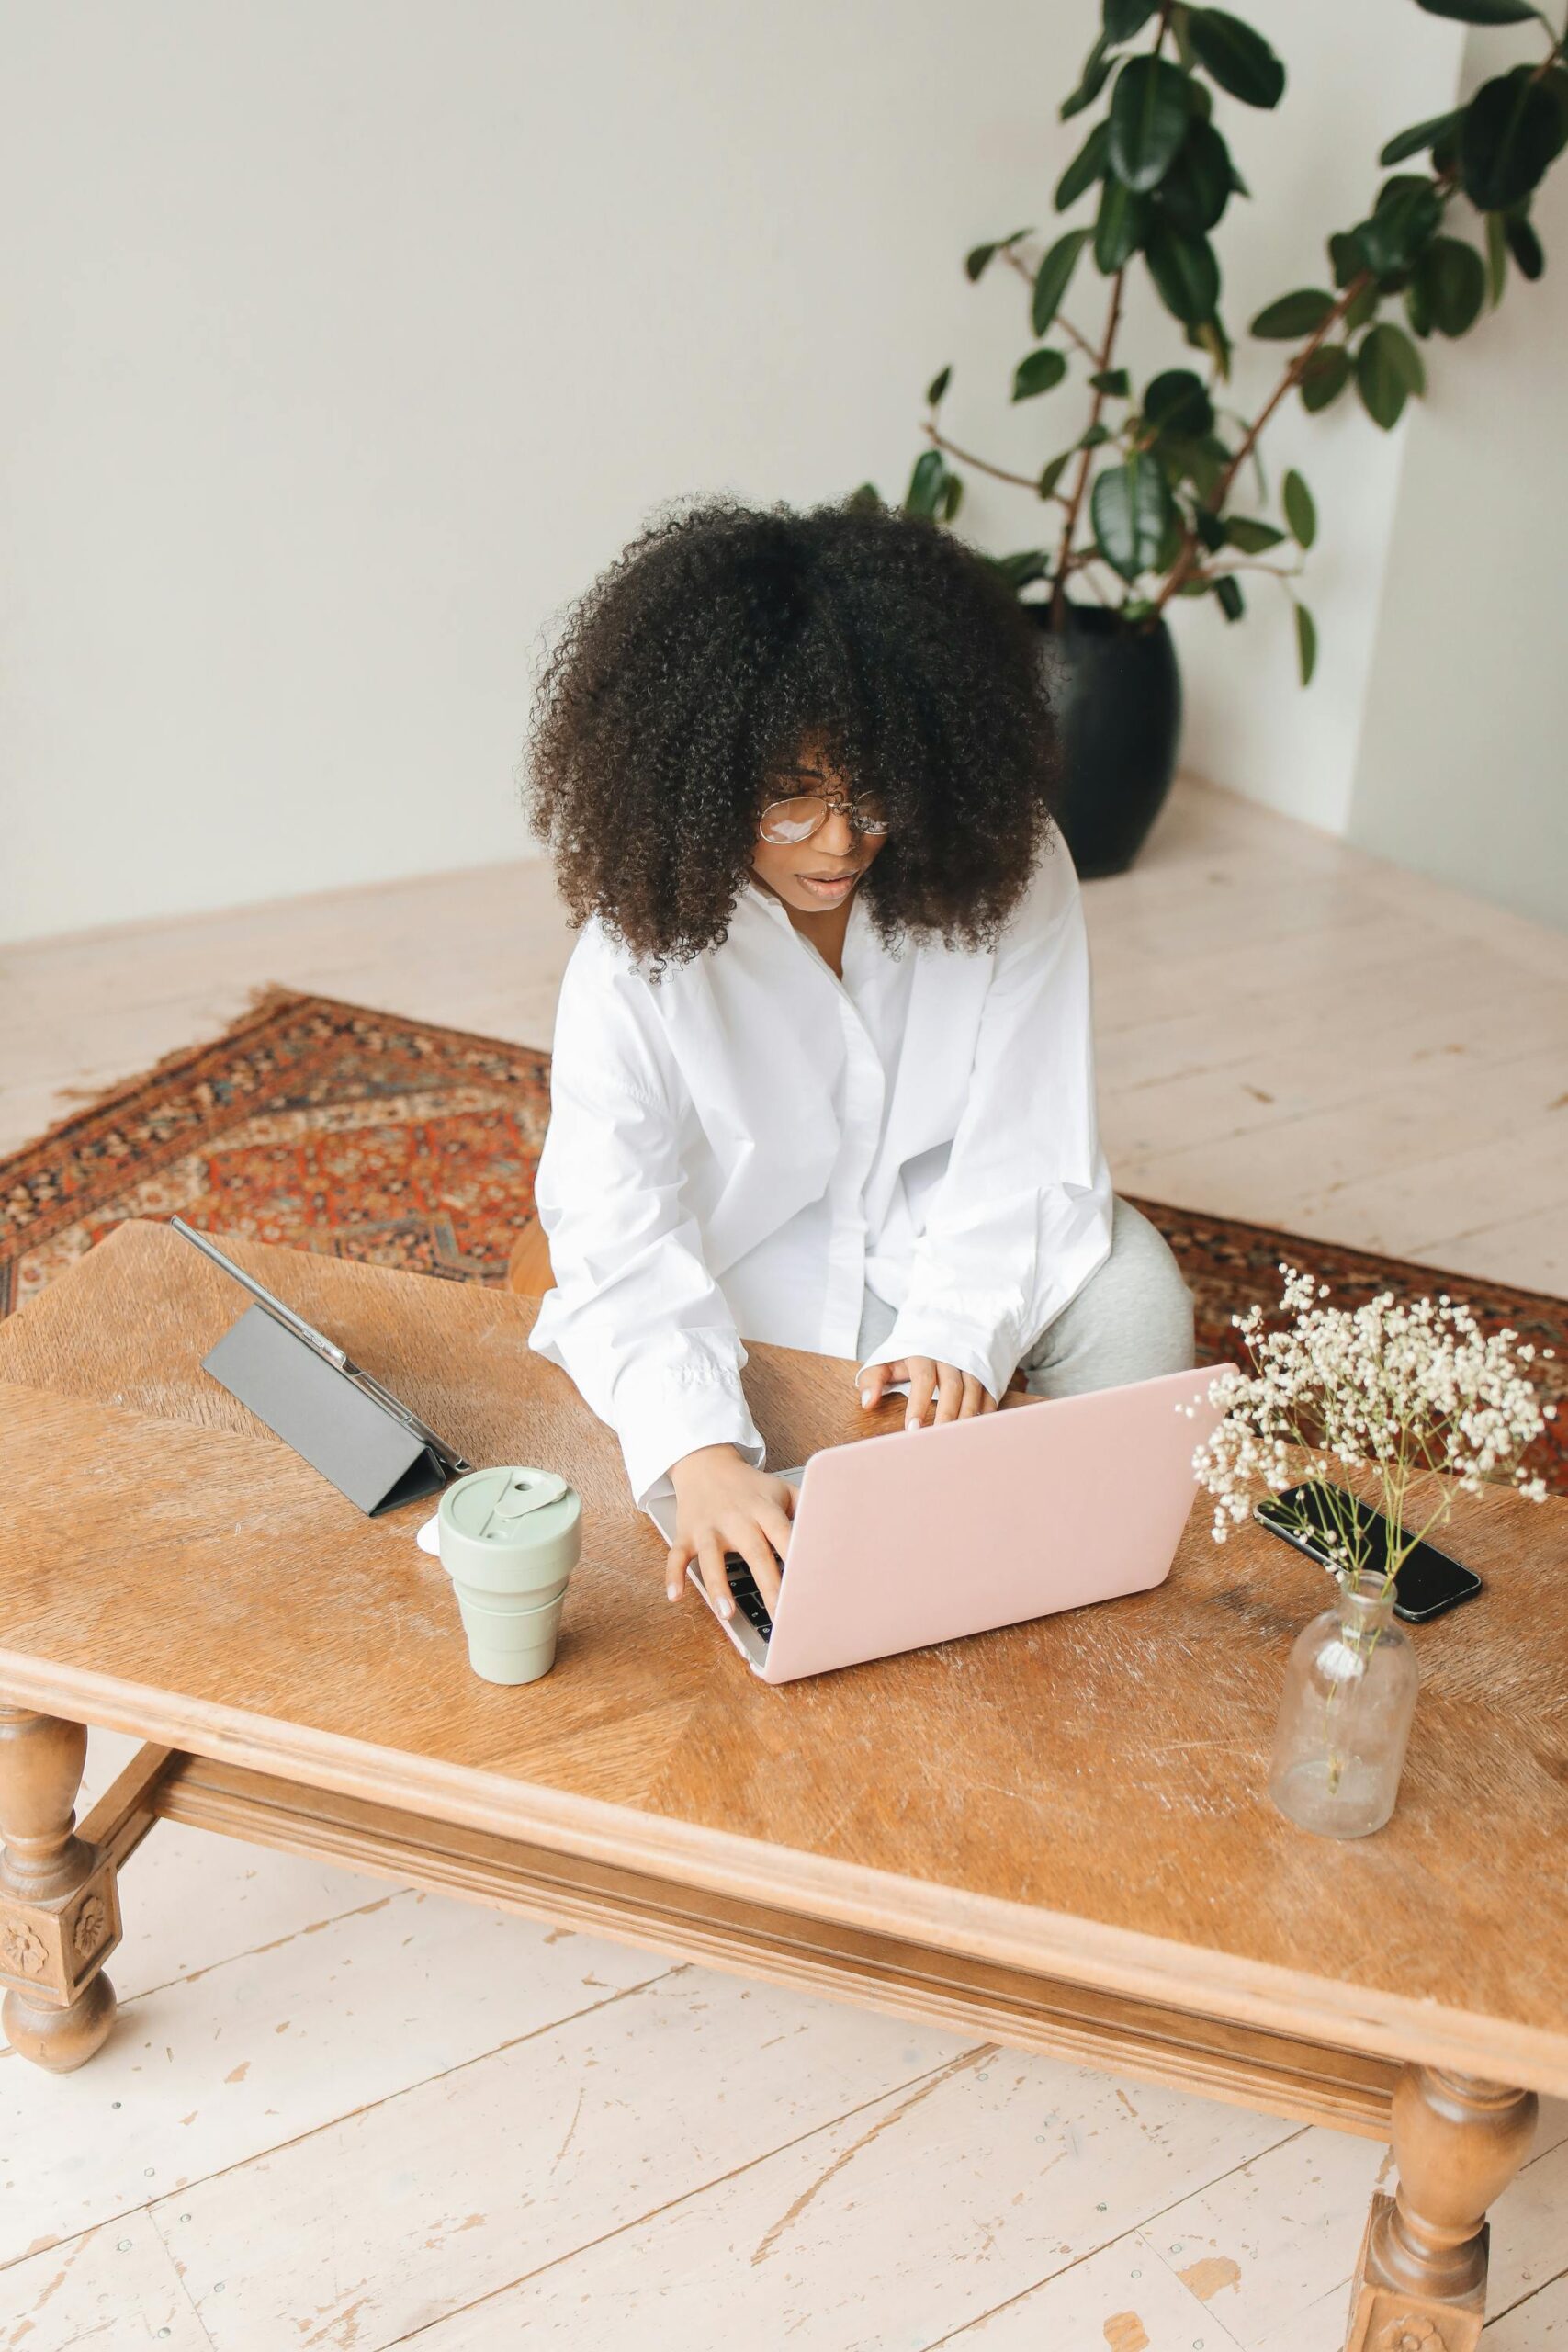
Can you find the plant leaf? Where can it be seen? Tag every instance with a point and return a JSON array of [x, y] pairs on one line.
[[1053, 472], [1445, 147], [1554, 81], [1148, 119], [1096, 73], [1511, 134], [1388, 369], [1451, 284], [1208, 335], [1524, 247], [1362, 307], [979, 257], [1300, 512], [1193, 459], [866, 499], [1119, 226], [1419, 137], [1169, 547], [1093, 436], [1037, 372], [1306, 644], [951, 497], [1087, 166], [1227, 593], [1125, 18], [1480, 12], [1293, 315], [1383, 392], [1496, 256], [1130, 509], [1407, 215], [1197, 188], [1417, 309], [1051, 277], [1114, 381], [1185, 272], [926, 485], [1324, 377], [1253, 537], [938, 385], [1028, 564], [1239, 59], [1177, 402], [1407, 357]]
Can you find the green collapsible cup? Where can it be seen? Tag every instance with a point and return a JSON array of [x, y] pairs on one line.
[[509, 1539]]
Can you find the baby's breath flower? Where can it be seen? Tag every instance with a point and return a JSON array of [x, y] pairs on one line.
[[1396, 1389]]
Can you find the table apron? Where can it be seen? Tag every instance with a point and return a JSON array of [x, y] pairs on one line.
[[1245, 2066]]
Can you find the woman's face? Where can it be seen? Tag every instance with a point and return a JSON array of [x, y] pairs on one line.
[[820, 873]]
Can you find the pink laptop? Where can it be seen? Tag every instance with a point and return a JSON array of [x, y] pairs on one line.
[[931, 1534]]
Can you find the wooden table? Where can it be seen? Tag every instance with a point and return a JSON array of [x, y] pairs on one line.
[[1054, 1835]]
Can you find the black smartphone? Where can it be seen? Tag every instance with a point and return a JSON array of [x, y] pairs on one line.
[[1429, 1581]]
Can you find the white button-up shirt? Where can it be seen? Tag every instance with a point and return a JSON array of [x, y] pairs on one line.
[[744, 1146]]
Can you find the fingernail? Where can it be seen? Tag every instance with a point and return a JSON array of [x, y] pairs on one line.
[[865, 1396], [726, 1609]]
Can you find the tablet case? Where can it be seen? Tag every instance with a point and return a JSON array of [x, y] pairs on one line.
[[345, 1433]]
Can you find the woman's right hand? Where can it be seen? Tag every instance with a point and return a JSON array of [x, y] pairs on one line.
[[724, 1504]]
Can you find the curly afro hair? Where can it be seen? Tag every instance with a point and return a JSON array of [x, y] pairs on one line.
[[726, 637]]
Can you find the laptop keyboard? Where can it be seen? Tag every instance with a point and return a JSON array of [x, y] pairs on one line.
[[748, 1599]]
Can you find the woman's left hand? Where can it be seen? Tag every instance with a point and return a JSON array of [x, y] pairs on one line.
[[958, 1395]]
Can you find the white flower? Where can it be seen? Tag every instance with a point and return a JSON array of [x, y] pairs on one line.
[[1401, 1391]]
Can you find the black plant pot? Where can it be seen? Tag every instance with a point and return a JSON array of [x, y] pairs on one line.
[[1117, 697]]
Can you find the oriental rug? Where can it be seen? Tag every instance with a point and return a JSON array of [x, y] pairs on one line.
[[325, 1125]]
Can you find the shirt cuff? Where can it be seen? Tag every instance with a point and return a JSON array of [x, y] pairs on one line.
[[661, 1420], [986, 1356]]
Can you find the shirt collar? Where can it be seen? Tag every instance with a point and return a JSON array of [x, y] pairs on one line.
[[765, 899]]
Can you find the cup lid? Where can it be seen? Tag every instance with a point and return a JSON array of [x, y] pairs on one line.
[[507, 1521], [489, 1503]]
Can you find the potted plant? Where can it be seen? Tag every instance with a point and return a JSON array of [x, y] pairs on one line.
[[1154, 491]]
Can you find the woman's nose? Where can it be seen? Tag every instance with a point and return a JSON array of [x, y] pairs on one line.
[[837, 838]]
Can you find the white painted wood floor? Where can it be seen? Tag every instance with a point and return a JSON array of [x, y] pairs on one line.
[[339, 2115]]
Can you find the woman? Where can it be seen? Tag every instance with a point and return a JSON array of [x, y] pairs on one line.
[[823, 1068]]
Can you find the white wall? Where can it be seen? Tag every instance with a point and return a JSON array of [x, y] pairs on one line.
[[347, 340], [1461, 770]]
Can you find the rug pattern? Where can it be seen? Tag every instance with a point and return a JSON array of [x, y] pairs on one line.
[[325, 1125]]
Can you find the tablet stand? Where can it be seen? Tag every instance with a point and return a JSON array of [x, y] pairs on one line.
[[344, 1431]]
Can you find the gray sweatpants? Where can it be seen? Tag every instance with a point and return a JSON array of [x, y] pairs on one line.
[[1132, 1320]]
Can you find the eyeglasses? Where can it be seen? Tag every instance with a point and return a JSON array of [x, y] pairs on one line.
[[784, 822]]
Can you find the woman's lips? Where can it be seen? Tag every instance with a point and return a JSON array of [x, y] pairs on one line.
[[832, 887]]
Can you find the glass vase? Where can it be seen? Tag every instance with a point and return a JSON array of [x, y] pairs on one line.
[[1345, 1716]]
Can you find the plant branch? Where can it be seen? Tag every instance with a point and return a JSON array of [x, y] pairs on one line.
[[1224, 570], [938, 440], [1075, 503], [1016, 261], [1181, 570], [1291, 375]]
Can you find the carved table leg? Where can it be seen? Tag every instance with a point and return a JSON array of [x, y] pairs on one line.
[[59, 1904], [1421, 2282]]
